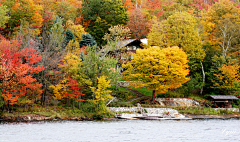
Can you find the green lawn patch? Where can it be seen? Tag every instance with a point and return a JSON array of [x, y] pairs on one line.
[[144, 91]]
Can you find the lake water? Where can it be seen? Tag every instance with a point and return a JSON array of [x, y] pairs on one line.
[[122, 130]]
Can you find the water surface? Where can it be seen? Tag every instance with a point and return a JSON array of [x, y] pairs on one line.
[[122, 130]]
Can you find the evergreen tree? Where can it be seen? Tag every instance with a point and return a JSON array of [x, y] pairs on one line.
[[57, 33], [87, 40], [69, 36]]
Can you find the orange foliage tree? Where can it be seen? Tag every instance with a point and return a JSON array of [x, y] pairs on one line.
[[138, 24], [23, 9], [128, 4], [16, 68], [229, 79]]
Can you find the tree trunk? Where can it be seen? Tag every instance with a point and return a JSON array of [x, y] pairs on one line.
[[8, 106], [79, 102], [73, 103], [68, 102], [55, 103], [203, 78], [44, 89], [3, 106], [153, 95]]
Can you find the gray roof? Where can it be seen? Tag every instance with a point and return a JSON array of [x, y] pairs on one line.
[[223, 97], [125, 42]]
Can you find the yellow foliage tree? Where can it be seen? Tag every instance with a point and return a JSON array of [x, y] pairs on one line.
[[78, 30], [73, 79], [229, 79], [102, 94], [221, 24], [73, 66], [59, 90], [73, 47], [180, 29], [157, 69]]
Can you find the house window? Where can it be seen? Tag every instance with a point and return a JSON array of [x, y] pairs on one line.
[[132, 48]]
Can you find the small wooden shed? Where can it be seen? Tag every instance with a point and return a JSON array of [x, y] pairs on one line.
[[223, 101]]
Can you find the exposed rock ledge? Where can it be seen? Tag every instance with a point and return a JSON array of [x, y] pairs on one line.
[[226, 116]]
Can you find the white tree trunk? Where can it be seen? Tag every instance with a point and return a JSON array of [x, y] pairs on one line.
[[203, 72]]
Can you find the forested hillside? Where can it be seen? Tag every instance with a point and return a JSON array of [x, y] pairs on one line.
[[56, 51]]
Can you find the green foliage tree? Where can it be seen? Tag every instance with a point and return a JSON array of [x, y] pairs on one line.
[[102, 14], [3, 16], [99, 29], [157, 69], [57, 33], [95, 66]]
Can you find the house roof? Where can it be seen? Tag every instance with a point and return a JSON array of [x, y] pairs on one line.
[[223, 97], [125, 42]]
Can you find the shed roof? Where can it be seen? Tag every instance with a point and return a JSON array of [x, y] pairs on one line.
[[223, 97]]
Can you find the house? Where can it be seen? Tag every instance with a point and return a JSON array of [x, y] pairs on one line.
[[223, 101], [129, 46], [125, 50]]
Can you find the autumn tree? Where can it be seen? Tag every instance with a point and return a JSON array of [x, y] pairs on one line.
[[128, 4], [52, 53], [17, 66], [102, 94], [223, 75], [221, 26], [179, 30], [74, 80], [73, 47], [23, 9], [77, 30], [157, 69], [65, 10], [116, 35], [228, 81], [138, 24]]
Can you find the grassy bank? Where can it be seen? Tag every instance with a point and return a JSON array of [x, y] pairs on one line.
[[204, 111], [86, 111]]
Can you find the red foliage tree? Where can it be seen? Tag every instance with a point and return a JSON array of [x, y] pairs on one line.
[[138, 24], [74, 90], [16, 68]]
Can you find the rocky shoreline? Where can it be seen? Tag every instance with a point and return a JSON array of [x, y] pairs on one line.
[[41, 118], [44, 118], [227, 116]]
